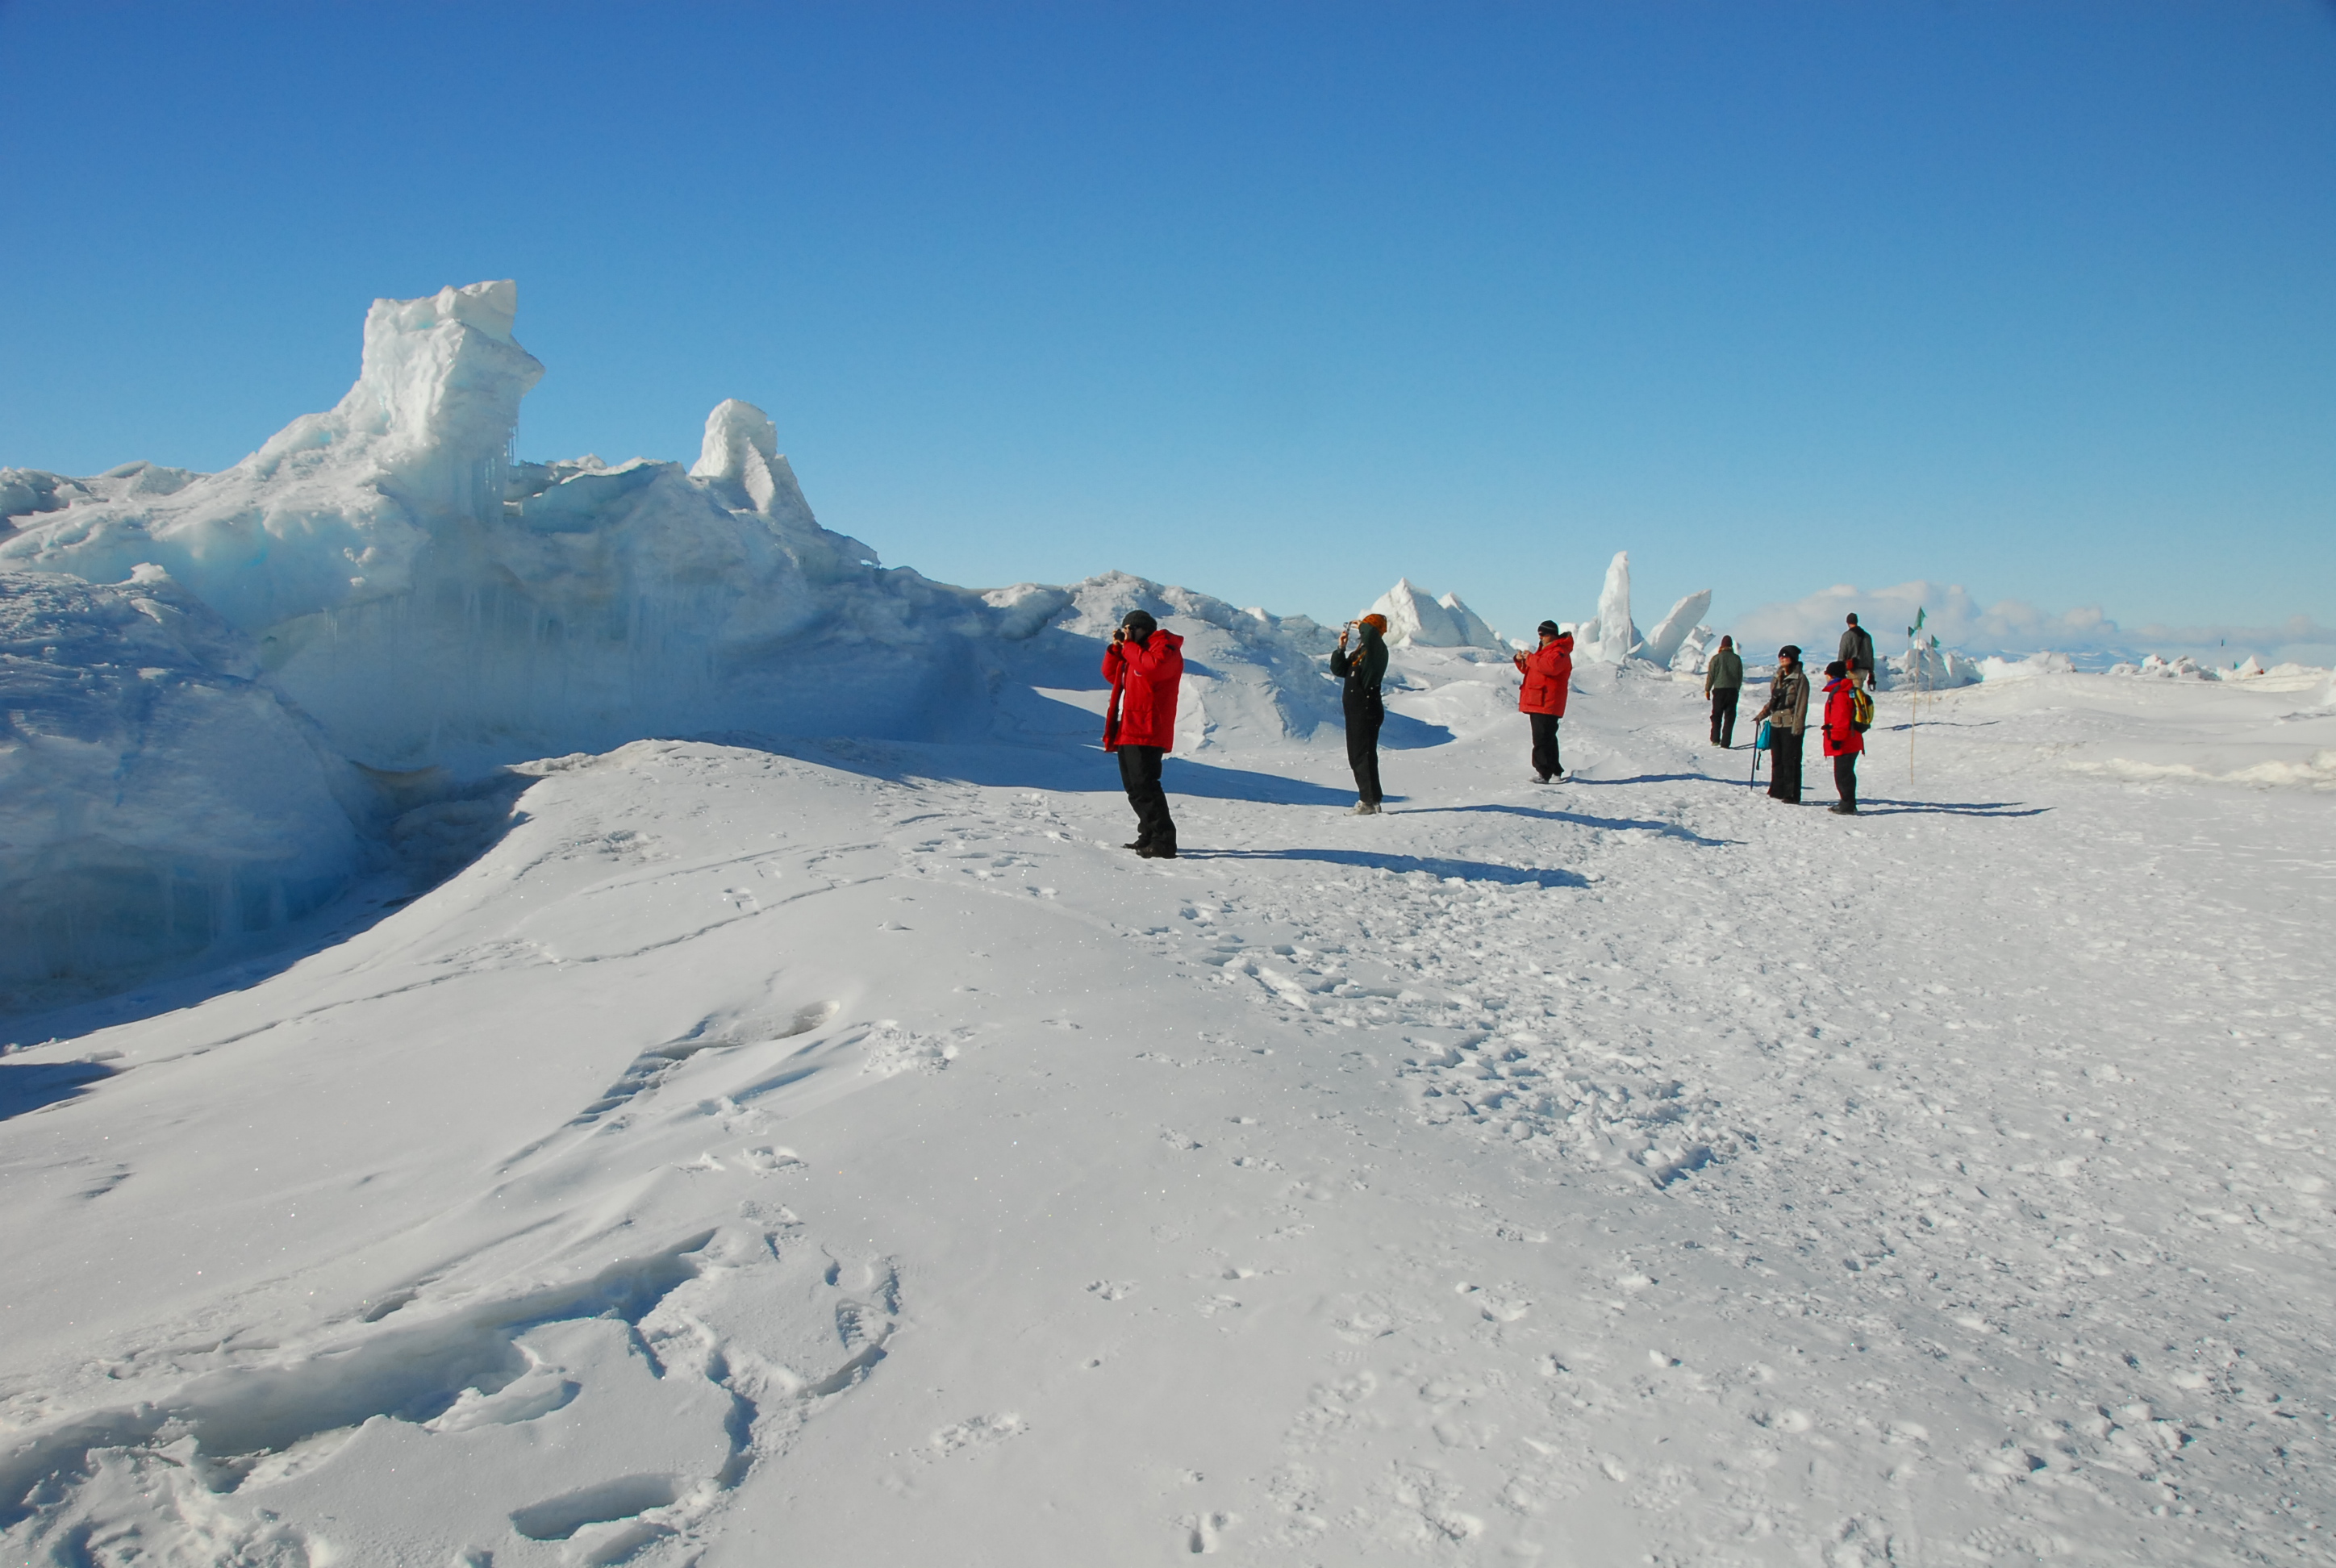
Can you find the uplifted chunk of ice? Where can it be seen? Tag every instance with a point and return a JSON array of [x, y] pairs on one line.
[[1662, 644], [741, 461]]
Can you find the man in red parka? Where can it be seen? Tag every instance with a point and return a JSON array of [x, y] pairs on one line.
[[1548, 671], [1842, 740], [1144, 664]]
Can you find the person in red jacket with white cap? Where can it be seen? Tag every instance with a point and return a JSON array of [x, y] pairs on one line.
[[1144, 666], [1549, 672]]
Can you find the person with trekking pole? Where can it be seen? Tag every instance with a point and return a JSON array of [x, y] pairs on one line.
[[1144, 666], [1844, 737], [1723, 679], [1365, 708], [1788, 712], [1548, 672]]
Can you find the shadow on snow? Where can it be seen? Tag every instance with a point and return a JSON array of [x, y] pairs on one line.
[[1401, 865], [1582, 819], [29, 1085]]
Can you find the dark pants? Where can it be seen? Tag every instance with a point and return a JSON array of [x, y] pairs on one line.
[[1139, 770], [1784, 764], [1544, 742], [1844, 778], [1363, 717], [1723, 716]]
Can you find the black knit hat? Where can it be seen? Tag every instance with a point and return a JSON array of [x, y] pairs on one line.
[[1140, 623], [1547, 628], [1791, 651]]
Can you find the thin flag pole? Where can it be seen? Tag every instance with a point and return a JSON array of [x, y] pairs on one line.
[[1922, 674]]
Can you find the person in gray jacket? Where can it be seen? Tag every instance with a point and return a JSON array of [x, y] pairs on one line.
[[1857, 653], [1723, 679], [1788, 712]]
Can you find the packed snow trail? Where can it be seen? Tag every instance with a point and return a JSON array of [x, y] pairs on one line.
[[850, 1154]]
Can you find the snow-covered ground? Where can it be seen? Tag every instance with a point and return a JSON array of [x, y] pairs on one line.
[[844, 1152]]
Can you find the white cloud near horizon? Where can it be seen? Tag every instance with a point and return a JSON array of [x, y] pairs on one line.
[[2013, 626]]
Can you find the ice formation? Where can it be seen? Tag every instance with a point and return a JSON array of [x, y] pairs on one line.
[[2034, 665], [27, 493], [741, 463], [157, 801], [1694, 651], [1928, 669], [385, 569], [1249, 676], [1662, 645], [1417, 620], [429, 601], [1612, 637]]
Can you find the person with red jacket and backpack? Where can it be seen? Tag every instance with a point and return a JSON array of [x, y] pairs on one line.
[[1842, 738], [1548, 674], [1145, 665]]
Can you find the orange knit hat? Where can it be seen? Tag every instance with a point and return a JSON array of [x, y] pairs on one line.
[[1377, 623]]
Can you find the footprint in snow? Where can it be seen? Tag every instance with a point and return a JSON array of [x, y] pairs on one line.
[[976, 1432]]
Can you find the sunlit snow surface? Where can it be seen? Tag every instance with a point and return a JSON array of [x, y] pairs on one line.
[[848, 1153]]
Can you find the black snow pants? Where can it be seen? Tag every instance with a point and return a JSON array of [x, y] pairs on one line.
[[1723, 715], [1844, 778], [1139, 771], [1363, 717], [1784, 764], [1545, 745]]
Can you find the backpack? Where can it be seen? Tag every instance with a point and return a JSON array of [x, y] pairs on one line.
[[1860, 709]]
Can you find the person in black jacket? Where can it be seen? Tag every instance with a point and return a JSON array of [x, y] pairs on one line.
[[1857, 654], [1362, 671]]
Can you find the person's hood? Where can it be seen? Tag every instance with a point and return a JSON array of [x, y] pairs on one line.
[[1566, 641]]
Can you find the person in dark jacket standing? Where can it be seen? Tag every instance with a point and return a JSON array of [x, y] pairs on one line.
[[1842, 740], [1144, 666], [1362, 671], [1723, 679], [1788, 712], [1857, 654], [1548, 674]]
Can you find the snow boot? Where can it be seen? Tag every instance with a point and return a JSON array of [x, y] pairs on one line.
[[1158, 852], [1365, 809]]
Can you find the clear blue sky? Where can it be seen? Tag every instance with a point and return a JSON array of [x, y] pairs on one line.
[[1277, 301]]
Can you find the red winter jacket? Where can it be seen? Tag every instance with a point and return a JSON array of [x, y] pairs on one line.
[[1143, 678], [1840, 736], [1548, 671]]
